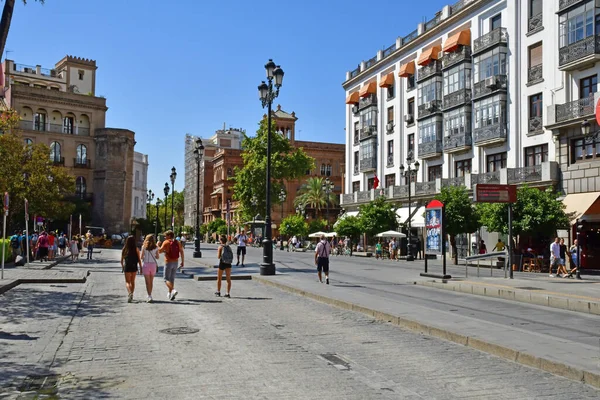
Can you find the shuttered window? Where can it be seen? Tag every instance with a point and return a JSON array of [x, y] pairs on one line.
[[535, 55]]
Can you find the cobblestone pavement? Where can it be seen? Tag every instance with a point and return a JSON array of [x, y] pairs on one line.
[[260, 344]]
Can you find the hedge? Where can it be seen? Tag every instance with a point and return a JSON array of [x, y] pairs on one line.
[[7, 250]]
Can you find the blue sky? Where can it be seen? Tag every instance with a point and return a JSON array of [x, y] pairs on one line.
[[168, 68]]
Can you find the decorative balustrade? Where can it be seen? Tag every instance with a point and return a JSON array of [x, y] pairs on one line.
[[400, 191], [368, 101], [575, 109], [356, 169], [562, 4], [430, 149], [496, 37], [490, 134], [348, 198], [371, 62], [431, 69], [457, 142], [368, 131], [484, 88], [535, 74], [488, 177], [354, 73], [579, 50], [430, 108], [536, 125], [367, 164], [432, 23], [363, 196], [389, 50], [456, 181], [524, 174], [422, 188], [459, 5], [410, 37], [390, 161], [450, 59], [536, 22], [458, 98]]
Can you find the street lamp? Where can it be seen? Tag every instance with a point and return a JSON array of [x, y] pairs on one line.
[[410, 172], [327, 188], [173, 176], [586, 128], [149, 198], [267, 95], [166, 190], [156, 227], [281, 199], [198, 153]]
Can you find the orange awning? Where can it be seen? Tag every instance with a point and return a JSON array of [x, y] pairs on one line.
[[431, 53], [352, 98], [387, 80], [368, 88], [407, 69], [462, 38]]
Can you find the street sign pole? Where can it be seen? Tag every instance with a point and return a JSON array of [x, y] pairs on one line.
[[27, 229], [510, 246], [4, 233]]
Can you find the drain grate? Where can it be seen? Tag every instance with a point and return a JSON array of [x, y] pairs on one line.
[[336, 361], [182, 330], [529, 288]]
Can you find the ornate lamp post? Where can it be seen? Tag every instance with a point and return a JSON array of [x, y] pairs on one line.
[[282, 200], [173, 176], [166, 190], [327, 188], [149, 198], [156, 227], [267, 95], [198, 153], [410, 173]]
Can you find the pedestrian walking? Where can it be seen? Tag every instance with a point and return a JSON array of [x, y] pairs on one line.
[[73, 248], [393, 249], [554, 255], [51, 242], [562, 269], [378, 250], [15, 245], [62, 244], [42, 246], [149, 263], [242, 239], [482, 247], [130, 259], [225, 256], [79, 245], [574, 259], [183, 241], [172, 250], [322, 253], [89, 243]]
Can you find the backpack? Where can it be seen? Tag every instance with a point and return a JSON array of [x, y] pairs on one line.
[[61, 241], [174, 250], [43, 241], [227, 255], [14, 242]]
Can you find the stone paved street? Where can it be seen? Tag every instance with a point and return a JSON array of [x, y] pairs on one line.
[[261, 344]]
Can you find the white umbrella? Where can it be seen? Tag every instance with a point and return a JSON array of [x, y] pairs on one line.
[[391, 234], [330, 234], [317, 234]]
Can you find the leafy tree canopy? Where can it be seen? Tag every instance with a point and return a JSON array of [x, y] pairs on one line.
[[294, 225], [349, 226], [460, 215], [377, 216], [317, 225], [312, 195], [218, 226]]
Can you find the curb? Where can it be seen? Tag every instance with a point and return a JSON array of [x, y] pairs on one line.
[[18, 282], [541, 298], [553, 367], [56, 262], [203, 278]]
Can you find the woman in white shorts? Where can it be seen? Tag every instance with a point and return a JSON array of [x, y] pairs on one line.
[[150, 265]]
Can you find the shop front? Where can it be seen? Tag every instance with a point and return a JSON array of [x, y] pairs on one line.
[[585, 207]]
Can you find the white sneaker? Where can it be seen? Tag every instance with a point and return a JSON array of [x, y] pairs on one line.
[[169, 296], [551, 276], [173, 294], [149, 299]]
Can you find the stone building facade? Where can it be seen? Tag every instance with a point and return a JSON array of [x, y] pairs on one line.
[[139, 194], [59, 107]]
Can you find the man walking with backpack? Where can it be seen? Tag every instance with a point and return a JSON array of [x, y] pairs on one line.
[[225, 256], [322, 258], [173, 250], [15, 245]]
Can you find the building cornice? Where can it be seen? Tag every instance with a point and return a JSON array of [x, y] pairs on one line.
[[56, 97]]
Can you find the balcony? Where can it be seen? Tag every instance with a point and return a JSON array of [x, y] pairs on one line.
[[425, 188], [390, 161], [456, 181], [458, 98], [369, 101], [367, 132], [430, 108], [564, 4], [82, 163], [493, 177], [356, 169], [535, 74], [368, 164], [58, 161], [459, 5], [535, 125], [432, 69], [498, 36], [432, 23], [400, 191], [545, 172], [536, 23], [458, 142], [457, 57], [491, 134], [348, 198], [430, 149], [575, 55], [575, 109], [53, 128], [490, 85], [356, 137]]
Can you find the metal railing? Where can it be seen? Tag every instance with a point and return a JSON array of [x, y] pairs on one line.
[[82, 163], [524, 174], [457, 141], [390, 161], [431, 69], [482, 89], [430, 108], [494, 38], [450, 59], [371, 62], [535, 124], [432, 23], [536, 22], [389, 50], [430, 149], [370, 100], [535, 73], [410, 37], [575, 109], [488, 177], [490, 132], [459, 5], [499, 256], [563, 4], [578, 50], [355, 72], [460, 97], [425, 188], [367, 164]]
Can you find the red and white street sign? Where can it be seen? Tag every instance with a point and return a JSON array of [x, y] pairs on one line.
[[6, 201]]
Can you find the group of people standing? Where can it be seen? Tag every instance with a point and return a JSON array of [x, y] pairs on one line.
[[45, 246]]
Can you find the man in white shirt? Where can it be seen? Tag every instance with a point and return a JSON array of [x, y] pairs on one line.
[[241, 246], [554, 255], [322, 253]]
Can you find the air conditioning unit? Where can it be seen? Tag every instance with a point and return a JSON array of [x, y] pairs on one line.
[[389, 127], [409, 118], [430, 106], [491, 82], [355, 109]]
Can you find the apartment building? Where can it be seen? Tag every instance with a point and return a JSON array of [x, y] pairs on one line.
[[140, 186], [59, 107]]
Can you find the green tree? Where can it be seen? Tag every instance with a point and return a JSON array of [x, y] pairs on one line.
[[377, 216], [460, 215], [536, 213], [7, 12], [218, 226], [294, 225], [312, 195], [317, 225], [349, 227], [287, 163]]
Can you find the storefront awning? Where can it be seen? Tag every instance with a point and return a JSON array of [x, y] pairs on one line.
[[368, 88], [387, 80], [462, 38], [219, 190], [578, 204], [432, 53], [407, 69], [346, 214], [418, 219], [352, 98]]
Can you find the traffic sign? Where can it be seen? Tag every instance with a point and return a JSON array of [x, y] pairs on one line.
[[486, 193], [6, 201], [598, 112]]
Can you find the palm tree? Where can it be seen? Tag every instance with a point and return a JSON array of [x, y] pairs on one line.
[[312, 195]]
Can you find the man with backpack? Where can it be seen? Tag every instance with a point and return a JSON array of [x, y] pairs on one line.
[[322, 253], [172, 250], [15, 245], [225, 256]]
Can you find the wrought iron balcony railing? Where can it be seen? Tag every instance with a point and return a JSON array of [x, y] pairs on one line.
[[490, 85], [58, 161], [370, 100], [490, 134], [430, 108], [432, 69], [535, 125], [390, 161], [536, 22], [425, 188], [82, 163], [367, 164], [400, 191], [524, 174], [488, 177], [496, 37], [579, 50], [354, 73], [563, 4], [356, 169], [458, 142], [430, 149], [456, 57], [410, 37], [368, 131], [535, 74], [371, 62], [575, 109], [456, 181], [356, 138], [458, 98], [432, 23]]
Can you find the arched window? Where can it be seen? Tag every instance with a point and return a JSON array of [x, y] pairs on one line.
[[28, 142], [80, 187], [55, 152], [81, 155], [328, 170], [322, 169]]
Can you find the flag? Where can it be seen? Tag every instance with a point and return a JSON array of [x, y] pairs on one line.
[[375, 182]]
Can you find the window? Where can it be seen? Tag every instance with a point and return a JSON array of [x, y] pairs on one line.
[[40, 122], [322, 169], [391, 92], [390, 180], [355, 187], [80, 186], [462, 167], [136, 204], [356, 132], [370, 183], [535, 106], [457, 122], [457, 78], [585, 149], [410, 82], [390, 151], [68, 125], [328, 170], [495, 162], [55, 152], [536, 155], [411, 143], [491, 63], [81, 73], [588, 86], [430, 91], [535, 54], [490, 111], [367, 149], [229, 172], [578, 24], [410, 109], [535, 8], [368, 117], [28, 142], [356, 162], [82, 156], [390, 115], [495, 22], [430, 130], [434, 172]]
